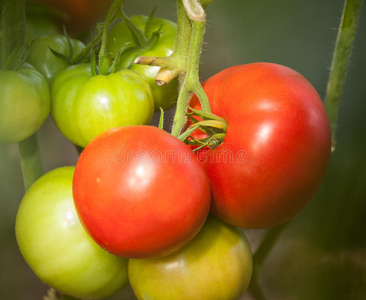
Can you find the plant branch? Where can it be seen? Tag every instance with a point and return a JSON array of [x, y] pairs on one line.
[[30, 160], [260, 256], [342, 52]]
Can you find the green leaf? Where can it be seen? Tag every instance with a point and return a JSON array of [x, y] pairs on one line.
[[12, 30]]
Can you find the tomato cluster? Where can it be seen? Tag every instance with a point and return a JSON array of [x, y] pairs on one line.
[[141, 206]]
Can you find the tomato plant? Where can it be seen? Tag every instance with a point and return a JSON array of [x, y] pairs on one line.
[[216, 264], [57, 248], [84, 105], [276, 148], [140, 192], [159, 37], [24, 103], [45, 61]]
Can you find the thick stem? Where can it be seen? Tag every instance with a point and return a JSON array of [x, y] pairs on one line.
[[340, 62], [198, 31], [12, 30], [190, 81], [183, 37], [30, 160]]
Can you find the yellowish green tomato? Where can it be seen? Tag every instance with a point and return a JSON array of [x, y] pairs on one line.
[[120, 36], [57, 248], [83, 105], [215, 265], [24, 103]]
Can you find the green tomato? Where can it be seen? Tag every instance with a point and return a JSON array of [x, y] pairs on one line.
[[120, 36], [24, 103], [41, 57], [56, 246], [38, 25], [84, 105], [215, 265]]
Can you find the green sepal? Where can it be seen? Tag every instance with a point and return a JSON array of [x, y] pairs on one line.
[[155, 36], [117, 58], [161, 120], [149, 22], [60, 55]]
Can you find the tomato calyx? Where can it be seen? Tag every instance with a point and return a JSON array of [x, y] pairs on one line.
[[213, 130], [143, 39]]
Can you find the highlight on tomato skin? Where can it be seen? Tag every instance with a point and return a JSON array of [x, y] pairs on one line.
[[140, 192], [276, 149]]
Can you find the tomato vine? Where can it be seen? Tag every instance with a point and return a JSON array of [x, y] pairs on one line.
[[184, 64]]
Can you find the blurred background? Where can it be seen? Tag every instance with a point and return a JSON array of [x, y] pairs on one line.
[[322, 254]]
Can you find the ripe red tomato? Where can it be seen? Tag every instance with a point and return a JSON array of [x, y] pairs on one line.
[[140, 192], [276, 149]]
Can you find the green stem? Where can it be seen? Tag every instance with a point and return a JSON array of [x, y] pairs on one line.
[[340, 62], [261, 255], [30, 160], [198, 31], [189, 82], [182, 40]]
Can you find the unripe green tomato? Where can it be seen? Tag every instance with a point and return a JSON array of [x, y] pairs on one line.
[[83, 105], [56, 246], [215, 265], [24, 103], [120, 36], [41, 57]]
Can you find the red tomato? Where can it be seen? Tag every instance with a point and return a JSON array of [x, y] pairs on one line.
[[276, 149], [81, 14], [140, 192]]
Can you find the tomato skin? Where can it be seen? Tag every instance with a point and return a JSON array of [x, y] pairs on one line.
[[164, 96], [216, 264], [42, 58], [278, 139], [24, 103], [57, 248], [134, 198], [84, 106]]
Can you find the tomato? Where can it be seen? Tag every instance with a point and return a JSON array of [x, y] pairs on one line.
[[140, 192], [164, 96], [37, 26], [84, 105], [41, 57], [81, 14], [216, 264], [277, 145], [57, 248], [24, 103]]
